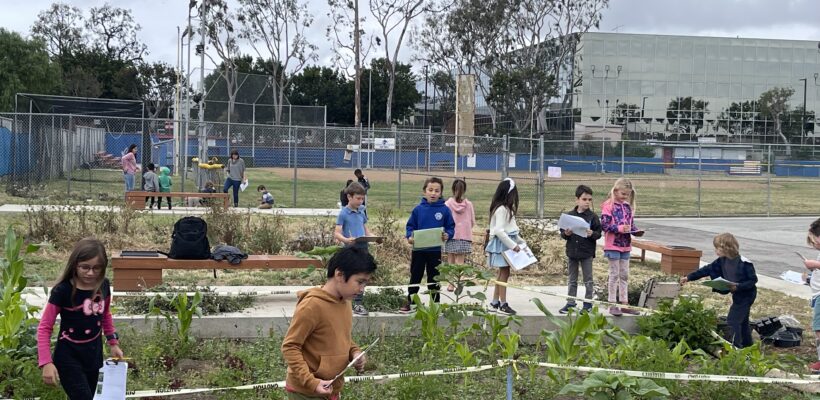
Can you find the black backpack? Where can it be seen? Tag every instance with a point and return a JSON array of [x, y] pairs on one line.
[[190, 240]]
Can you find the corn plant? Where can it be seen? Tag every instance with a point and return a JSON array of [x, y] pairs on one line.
[[185, 311], [16, 315]]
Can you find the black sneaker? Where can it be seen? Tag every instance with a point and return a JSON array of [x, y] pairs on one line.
[[506, 309], [565, 309], [493, 308], [587, 308]]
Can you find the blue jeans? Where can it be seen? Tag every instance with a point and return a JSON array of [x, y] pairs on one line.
[[129, 181], [235, 184]]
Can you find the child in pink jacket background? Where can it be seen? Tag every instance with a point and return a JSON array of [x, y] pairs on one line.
[[463, 212], [617, 221]]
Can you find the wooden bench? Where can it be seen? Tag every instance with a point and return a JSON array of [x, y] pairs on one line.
[[136, 199], [139, 273], [675, 260]]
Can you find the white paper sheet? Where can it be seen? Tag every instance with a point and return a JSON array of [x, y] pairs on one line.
[[793, 277], [511, 161], [521, 259], [577, 224], [111, 381], [553, 172], [243, 185], [471, 161]]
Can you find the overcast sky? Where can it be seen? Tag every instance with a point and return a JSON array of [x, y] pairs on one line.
[[772, 19]]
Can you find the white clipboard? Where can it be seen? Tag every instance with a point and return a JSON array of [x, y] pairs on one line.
[[111, 380]]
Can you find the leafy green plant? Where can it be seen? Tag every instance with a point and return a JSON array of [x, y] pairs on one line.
[[16, 315], [386, 299], [185, 311], [687, 320], [464, 276], [578, 340], [603, 386], [211, 303]]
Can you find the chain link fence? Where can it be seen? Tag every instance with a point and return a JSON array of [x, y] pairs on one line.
[[56, 157]]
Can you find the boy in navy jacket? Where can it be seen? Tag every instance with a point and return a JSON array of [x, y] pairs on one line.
[[430, 213], [735, 268]]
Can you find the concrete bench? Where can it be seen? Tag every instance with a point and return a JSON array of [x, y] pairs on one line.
[[675, 260], [139, 273], [136, 199]]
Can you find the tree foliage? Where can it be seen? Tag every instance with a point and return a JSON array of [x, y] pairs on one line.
[[686, 114], [276, 31], [60, 27], [24, 68], [114, 32], [774, 103]]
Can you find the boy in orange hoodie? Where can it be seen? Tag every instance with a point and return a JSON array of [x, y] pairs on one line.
[[319, 342]]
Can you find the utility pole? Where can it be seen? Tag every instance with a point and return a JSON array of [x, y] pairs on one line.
[[424, 119], [803, 116], [203, 133]]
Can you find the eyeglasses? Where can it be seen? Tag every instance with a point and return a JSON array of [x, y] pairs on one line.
[[86, 268]]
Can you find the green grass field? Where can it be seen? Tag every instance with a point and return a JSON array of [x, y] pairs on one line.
[[658, 195]]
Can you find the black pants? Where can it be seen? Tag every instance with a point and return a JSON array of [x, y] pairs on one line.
[[419, 262], [159, 202], [738, 319], [72, 363], [153, 199]]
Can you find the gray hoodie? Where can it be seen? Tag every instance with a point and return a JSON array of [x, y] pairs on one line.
[[151, 181]]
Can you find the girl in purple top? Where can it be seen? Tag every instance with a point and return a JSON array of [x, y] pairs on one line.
[[618, 225], [129, 167]]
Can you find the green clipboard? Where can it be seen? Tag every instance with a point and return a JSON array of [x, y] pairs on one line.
[[426, 238]]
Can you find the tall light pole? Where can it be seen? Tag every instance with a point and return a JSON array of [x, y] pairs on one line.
[[424, 119]]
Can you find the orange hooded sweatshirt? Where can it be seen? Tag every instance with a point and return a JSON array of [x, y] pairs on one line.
[[318, 344]]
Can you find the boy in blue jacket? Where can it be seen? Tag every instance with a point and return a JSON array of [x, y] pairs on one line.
[[731, 266], [430, 213]]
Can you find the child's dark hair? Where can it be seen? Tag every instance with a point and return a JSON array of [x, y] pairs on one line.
[[209, 184], [459, 188], [357, 172], [349, 181], [432, 179], [260, 188], [814, 232], [234, 152], [84, 250], [581, 189], [354, 189], [151, 166], [351, 261], [131, 147], [504, 197]]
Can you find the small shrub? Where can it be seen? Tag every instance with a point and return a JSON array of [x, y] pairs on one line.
[[687, 320], [211, 303], [602, 385], [386, 299]]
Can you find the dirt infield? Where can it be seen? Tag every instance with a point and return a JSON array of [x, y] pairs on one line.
[[568, 179]]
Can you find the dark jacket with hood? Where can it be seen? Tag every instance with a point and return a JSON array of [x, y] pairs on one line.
[[580, 247], [431, 215], [745, 277]]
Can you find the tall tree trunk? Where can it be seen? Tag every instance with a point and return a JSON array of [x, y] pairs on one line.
[[778, 128], [391, 71]]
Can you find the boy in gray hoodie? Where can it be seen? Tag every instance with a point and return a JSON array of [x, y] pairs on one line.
[[150, 182]]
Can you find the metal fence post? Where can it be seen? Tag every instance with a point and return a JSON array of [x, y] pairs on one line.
[[324, 150], [295, 165], [603, 159], [700, 178], [541, 188], [505, 156], [509, 382], [253, 134], [769, 185], [359, 161], [429, 146], [623, 147], [398, 144]]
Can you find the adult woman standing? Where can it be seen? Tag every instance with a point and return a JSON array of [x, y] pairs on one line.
[[129, 167], [236, 175]]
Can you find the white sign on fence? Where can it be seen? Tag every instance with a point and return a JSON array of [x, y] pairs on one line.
[[511, 162], [385, 144], [471, 161], [553, 172]]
